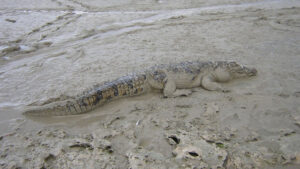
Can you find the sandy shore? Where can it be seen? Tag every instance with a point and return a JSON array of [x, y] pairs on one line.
[[52, 49]]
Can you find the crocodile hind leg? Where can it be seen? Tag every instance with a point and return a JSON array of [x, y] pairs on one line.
[[171, 91]]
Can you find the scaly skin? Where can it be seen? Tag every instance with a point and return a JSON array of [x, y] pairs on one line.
[[172, 79], [125, 86]]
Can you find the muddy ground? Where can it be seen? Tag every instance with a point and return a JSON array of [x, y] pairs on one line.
[[55, 48]]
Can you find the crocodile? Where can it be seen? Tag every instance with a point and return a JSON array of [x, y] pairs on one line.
[[172, 79]]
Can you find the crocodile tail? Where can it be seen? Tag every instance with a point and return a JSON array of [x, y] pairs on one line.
[[125, 86]]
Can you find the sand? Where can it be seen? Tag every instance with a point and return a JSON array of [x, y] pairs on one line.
[[53, 49]]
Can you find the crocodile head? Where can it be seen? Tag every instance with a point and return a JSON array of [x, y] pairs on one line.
[[239, 71]]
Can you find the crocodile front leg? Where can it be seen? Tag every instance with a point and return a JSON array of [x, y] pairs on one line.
[[209, 83], [171, 91]]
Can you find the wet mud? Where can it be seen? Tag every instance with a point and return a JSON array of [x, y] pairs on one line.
[[51, 50]]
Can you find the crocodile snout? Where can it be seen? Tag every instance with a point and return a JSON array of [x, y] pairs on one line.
[[253, 72]]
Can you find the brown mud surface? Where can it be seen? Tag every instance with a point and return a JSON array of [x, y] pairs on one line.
[[56, 48]]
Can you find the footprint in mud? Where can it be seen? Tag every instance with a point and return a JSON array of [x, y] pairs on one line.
[[10, 20], [9, 49]]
